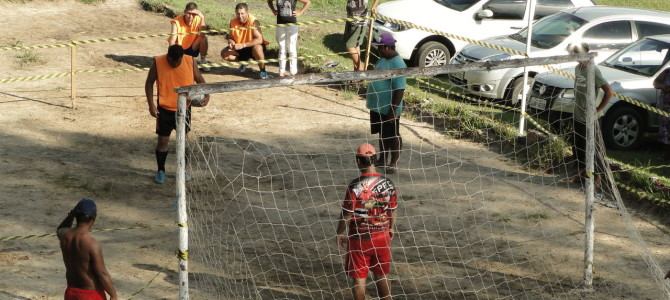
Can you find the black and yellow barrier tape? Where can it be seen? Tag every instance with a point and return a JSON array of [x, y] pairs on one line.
[[450, 35], [643, 195], [487, 103], [516, 52], [155, 35], [45, 235], [625, 98], [182, 255], [136, 69]]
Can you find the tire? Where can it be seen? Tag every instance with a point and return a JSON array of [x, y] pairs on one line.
[[515, 90], [432, 54], [623, 128]]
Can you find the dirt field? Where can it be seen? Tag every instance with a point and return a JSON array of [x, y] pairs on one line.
[[472, 224]]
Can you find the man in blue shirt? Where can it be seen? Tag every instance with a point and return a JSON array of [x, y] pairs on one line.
[[384, 99]]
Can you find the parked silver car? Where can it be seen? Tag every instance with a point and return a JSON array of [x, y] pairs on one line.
[[605, 29], [630, 72]]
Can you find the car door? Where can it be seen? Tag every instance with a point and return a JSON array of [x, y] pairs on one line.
[[645, 29], [608, 37], [509, 16]]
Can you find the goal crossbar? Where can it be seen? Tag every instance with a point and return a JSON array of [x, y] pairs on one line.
[[325, 78]]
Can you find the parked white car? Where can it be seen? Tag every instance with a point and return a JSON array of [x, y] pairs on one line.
[[477, 19], [605, 29], [630, 72]]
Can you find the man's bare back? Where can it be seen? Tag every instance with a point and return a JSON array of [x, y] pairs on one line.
[[86, 274]]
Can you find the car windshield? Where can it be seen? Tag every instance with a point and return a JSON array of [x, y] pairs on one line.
[[551, 31], [459, 5], [644, 58]]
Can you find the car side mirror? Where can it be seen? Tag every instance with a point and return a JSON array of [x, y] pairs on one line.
[[627, 59], [484, 14]]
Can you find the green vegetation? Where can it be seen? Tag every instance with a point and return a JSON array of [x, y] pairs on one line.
[[482, 123], [648, 4], [27, 58]]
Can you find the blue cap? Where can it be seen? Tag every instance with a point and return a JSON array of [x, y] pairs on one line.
[[85, 208]]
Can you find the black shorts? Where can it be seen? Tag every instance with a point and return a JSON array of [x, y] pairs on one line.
[[387, 129], [191, 52], [246, 54], [166, 121]]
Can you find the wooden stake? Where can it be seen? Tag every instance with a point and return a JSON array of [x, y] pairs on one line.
[[372, 24], [73, 91]]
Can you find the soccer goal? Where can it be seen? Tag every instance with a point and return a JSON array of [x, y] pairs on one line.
[[483, 212]]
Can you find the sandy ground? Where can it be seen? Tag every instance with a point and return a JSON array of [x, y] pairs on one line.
[[269, 171]]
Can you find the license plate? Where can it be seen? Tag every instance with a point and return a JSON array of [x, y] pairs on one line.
[[537, 103]]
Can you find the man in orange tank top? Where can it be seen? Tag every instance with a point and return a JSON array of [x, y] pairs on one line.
[[169, 72], [185, 32], [245, 40]]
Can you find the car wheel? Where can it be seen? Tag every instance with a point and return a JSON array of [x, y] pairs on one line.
[[432, 54], [515, 90], [623, 128]]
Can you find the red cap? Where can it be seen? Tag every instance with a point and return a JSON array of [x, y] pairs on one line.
[[366, 150]]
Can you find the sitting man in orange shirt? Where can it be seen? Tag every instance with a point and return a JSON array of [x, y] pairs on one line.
[[245, 40], [186, 32]]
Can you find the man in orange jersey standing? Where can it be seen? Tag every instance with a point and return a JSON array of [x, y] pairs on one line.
[[169, 72], [186, 32], [245, 40]]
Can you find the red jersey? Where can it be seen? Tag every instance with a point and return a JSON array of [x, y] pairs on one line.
[[371, 198]]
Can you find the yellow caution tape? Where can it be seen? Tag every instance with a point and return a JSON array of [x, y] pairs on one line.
[[38, 236], [488, 103], [182, 255], [516, 52], [154, 35], [450, 35], [136, 69]]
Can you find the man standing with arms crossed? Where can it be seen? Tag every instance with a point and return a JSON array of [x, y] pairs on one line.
[[368, 210], [385, 102], [170, 71], [85, 271], [186, 32]]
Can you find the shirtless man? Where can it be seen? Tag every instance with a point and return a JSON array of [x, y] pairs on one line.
[[86, 274]]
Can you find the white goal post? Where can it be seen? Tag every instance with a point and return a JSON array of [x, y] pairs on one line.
[[324, 78]]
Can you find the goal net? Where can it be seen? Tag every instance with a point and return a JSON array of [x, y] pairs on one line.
[[482, 212]]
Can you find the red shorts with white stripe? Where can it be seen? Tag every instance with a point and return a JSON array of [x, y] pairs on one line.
[[369, 254]]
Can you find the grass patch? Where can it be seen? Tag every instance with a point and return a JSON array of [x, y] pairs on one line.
[[647, 4], [28, 58], [494, 127]]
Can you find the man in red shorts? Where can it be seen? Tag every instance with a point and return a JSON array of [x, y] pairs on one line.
[[85, 271], [368, 211]]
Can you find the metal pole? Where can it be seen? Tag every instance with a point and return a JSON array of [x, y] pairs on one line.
[[589, 224], [531, 16], [372, 24], [73, 71], [181, 197]]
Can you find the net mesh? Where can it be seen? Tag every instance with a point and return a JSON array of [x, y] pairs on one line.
[[483, 214]]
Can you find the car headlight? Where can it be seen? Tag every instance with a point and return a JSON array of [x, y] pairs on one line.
[[568, 94], [394, 26], [498, 57]]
